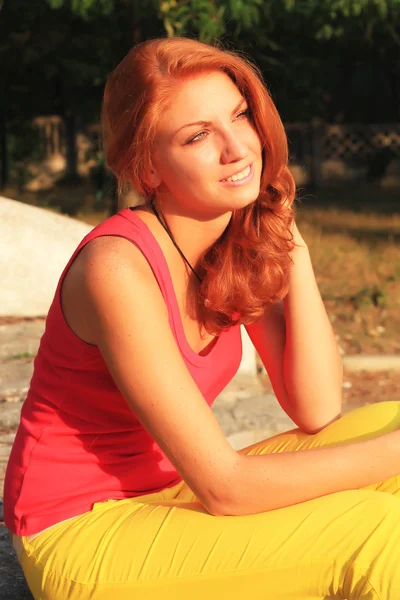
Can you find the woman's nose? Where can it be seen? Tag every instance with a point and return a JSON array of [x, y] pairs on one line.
[[234, 148]]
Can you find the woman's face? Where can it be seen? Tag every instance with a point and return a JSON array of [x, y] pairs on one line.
[[205, 137]]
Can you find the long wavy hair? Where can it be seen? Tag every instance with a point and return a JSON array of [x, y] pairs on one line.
[[248, 266]]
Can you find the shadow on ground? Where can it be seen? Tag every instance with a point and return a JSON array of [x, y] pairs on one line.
[[12, 581]]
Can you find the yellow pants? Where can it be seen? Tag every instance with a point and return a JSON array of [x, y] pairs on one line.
[[165, 546]]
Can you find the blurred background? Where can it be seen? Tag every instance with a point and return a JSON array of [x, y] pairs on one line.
[[333, 69]]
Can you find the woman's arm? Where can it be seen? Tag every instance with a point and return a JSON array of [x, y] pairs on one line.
[[270, 481], [123, 311], [297, 345], [312, 366]]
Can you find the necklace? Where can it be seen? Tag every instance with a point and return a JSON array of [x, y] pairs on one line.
[[164, 224]]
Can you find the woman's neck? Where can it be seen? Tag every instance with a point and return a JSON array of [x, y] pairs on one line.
[[193, 236]]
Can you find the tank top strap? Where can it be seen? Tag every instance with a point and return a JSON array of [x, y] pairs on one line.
[[134, 230]]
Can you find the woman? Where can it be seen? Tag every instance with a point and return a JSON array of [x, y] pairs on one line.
[[120, 483]]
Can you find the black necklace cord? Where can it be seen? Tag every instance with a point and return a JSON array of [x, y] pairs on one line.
[[165, 226]]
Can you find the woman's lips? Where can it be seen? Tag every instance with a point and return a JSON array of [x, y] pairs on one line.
[[242, 181]]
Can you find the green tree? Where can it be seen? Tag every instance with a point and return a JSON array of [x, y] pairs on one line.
[[328, 58], [205, 19], [86, 8], [323, 58], [56, 62]]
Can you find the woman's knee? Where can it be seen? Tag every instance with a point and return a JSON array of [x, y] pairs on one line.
[[363, 423], [382, 505], [379, 522], [386, 412]]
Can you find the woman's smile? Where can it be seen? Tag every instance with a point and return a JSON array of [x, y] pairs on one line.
[[240, 178]]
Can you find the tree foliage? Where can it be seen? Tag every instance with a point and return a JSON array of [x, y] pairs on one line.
[[208, 19], [324, 58], [339, 18], [325, 19], [205, 19], [191, 17], [85, 8]]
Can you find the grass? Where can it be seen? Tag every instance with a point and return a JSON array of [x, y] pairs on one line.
[[351, 252], [20, 355], [355, 253]]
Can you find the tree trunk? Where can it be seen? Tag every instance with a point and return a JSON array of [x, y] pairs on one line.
[[394, 78], [114, 206], [3, 147], [71, 175]]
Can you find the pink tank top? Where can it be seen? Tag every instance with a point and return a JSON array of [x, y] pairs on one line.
[[78, 441]]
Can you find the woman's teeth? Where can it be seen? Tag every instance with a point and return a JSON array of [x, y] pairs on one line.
[[240, 175]]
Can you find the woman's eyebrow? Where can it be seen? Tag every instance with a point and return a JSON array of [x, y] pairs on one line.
[[242, 101]]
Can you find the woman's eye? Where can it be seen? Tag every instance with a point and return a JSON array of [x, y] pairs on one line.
[[199, 136], [246, 113], [196, 138]]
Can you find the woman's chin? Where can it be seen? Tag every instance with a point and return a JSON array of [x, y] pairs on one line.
[[238, 201]]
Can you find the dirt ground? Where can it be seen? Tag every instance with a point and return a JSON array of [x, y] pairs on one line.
[[365, 388], [361, 388]]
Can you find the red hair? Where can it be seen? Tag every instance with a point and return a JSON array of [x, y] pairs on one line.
[[248, 266]]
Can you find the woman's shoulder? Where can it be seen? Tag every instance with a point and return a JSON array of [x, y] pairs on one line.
[[109, 256], [119, 241], [108, 271]]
